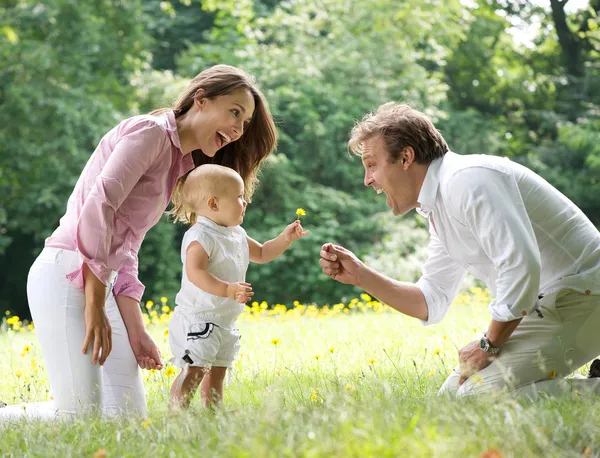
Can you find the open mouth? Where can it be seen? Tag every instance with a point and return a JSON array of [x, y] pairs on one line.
[[222, 138]]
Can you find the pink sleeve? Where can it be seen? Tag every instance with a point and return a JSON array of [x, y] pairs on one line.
[[131, 157], [127, 283]]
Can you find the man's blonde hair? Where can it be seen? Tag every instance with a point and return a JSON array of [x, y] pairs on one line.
[[400, 126], [197, 187]]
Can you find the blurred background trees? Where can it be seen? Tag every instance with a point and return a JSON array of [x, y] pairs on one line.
[[512, 78]]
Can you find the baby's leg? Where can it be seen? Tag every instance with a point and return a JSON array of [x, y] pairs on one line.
[[212, 386], [185, 385]]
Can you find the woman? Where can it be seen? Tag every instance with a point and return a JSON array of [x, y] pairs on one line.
[[83, 289]]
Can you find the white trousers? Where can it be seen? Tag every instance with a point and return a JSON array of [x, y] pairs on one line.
[[542, 351], [77, 385]]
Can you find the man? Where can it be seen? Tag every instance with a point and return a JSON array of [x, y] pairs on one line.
[[538, 254]]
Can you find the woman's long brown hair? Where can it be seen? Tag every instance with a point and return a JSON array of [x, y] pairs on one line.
[[245, 155]]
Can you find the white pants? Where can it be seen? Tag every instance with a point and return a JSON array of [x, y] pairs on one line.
[[78, 386], [542, 351]]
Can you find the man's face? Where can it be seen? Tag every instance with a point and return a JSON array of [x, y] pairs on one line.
[[394, 180]]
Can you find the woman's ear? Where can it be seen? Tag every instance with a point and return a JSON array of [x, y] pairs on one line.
[[199, 99]]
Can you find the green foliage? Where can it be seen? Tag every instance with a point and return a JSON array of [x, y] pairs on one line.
[[64, 74], [72, 69]]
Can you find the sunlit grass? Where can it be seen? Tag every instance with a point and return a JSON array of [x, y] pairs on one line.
[[351, 379]]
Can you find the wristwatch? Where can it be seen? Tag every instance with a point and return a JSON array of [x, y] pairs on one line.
[[485, 346]]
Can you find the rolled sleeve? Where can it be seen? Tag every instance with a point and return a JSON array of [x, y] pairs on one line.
[[440, 281], [489, 203], [128, 283]]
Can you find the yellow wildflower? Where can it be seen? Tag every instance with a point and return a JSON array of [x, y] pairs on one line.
[[170, 371], [275, 341], [147, 423], [164, 300], [26, 349], [331, 350], [300, 212], [149, 304], [166, 309], [166, 332], [317, 357], [18, 373]]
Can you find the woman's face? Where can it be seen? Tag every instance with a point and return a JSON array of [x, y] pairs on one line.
[[221, 120]]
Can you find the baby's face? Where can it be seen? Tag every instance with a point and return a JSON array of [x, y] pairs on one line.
[[232, 205]]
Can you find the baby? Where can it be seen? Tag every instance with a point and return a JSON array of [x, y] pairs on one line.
[[215, 253]]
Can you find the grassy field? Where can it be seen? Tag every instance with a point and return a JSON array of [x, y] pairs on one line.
[[353, 379]]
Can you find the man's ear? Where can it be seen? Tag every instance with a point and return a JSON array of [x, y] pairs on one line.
[[213, 203], [407, 156]]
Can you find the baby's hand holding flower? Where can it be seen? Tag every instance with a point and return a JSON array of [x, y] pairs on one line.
[[294, 231]]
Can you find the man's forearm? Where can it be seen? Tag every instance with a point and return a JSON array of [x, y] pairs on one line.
[[404, 297], [499, 331]]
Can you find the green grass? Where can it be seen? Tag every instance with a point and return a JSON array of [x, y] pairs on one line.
[[371, 392]]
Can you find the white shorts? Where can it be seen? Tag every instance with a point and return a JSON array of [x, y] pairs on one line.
[[197, 342]]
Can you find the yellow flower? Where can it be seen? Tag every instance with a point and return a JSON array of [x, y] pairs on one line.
[[372, 362], [26, 349], [331, 350], [170, 371], [275, 341], [18, 373], [147, 423], [164, 300], [348, 387], [300, 212], [165, 309], [149, 304], [431, 372], [166, 332], [317, 357]]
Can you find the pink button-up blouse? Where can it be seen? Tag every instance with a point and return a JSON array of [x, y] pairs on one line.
[[122, 192]]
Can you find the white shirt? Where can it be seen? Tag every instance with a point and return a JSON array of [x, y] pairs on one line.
[[508, 227], [228, 258]]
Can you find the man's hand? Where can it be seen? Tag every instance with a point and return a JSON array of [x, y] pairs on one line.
[[341, 264], [472, 359], [240, 292], [294, 231], [146, 351]]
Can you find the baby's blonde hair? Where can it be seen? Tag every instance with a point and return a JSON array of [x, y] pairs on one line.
[[196, 187]]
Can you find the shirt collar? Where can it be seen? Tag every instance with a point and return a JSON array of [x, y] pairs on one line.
[[172, 129], [187, 162], [225, 230], [429, 188]]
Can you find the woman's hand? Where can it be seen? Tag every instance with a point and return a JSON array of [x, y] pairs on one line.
[[97, 326], [98, 330], [147, 353]]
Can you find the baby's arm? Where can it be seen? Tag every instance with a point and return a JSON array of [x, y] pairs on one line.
[[196, 268], [268, 251]]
